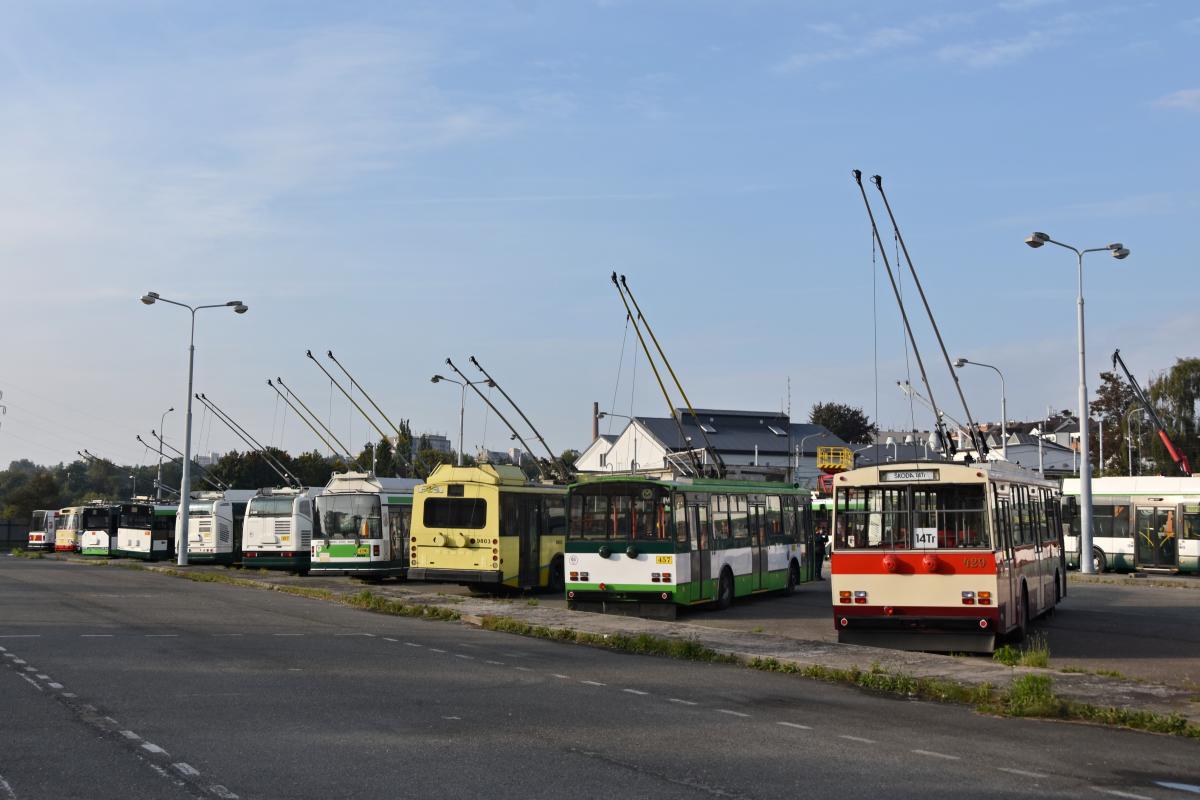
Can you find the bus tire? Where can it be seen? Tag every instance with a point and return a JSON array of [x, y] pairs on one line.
[[1099, 562], [725, 590], [793, 578], [481, 589], [555, 581], [1022, 616]]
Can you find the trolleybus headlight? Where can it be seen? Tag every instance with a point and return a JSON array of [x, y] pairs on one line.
[[631, 551], [604, 552]]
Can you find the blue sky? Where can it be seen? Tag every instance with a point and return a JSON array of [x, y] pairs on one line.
[[406, 182]]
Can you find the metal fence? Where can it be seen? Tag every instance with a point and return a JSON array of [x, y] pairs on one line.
[[13, 534]]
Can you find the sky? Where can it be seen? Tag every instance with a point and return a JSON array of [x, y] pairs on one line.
[[407, 182]]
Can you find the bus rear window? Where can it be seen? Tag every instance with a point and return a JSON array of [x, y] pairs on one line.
[[454, 512], [911, 518], [95, 520]]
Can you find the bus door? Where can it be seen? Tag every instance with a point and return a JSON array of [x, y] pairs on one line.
[[1008, 580], [528, 524], [698, 541], [758, 548], [1155, 538], [399, 522]]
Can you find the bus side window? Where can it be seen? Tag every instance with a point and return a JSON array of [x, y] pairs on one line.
[[554, 520], [789, 518], [774, 520], [720, 519], [702, 540], [739, 522], [510, 515], [679, 510]]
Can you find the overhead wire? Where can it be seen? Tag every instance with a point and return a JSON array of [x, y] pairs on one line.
[[620, 365]]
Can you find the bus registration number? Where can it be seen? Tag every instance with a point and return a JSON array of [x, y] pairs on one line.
[[663, 559]]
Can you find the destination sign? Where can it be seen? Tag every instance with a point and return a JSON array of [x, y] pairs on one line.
[[905, 475]]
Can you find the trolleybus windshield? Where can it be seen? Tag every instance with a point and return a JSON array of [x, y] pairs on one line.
[[621, 512], [921, 517], [350, 516], [271, 506]]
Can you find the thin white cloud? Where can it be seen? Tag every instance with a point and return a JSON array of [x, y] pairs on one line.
[[1185, 99], [883, 39], [990, 54]]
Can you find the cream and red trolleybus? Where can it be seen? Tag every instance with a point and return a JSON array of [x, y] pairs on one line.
[[943, 556]]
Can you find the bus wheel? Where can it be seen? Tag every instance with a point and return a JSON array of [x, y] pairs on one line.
[[481, 589], [1099, 562], [793, 579], [725, 591], [555, 582], [1022, 616]]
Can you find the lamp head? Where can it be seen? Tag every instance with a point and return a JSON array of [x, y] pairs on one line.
[[1037, 239], [1120, 253], [238, 306], [960, 362], [602, 415], [149, 297], [436, 379]]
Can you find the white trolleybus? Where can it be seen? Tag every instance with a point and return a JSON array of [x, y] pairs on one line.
[[943, 556], [1143, 523], [98, 529], [41, 530], [279, 528], [364, 526], [146, 531], [214, 534], [66, 529], [644, 546]]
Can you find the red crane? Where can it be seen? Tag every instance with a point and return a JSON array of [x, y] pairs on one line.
[[1178, 457]]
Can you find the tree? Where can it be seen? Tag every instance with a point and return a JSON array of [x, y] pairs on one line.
[[40, 491], [1175, 394], [311, 468], [846, 422], [1113, 401]]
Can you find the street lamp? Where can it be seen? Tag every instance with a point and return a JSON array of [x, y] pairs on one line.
[[800, 452], [891, 442], [1129, 437], [158, 480], [962, 362], [462, 405], [633, 462], [185, 489], [1118, 251]]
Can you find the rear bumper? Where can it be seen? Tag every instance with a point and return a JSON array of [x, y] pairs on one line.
[[365, 569], [974, 631], [484, 576], [274, 560], [602, 603]]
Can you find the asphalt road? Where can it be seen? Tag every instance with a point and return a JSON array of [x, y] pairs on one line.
[[133, 685]]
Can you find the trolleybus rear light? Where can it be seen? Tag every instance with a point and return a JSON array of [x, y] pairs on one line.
[[844, 597], [984, 598], [860, 597], [666, 576], [603, 586], [655, 577], [574, 576], [968, 598], [585, 577]]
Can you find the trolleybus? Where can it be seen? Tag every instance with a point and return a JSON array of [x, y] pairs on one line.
[[41, 530], [944, 557], [214, 534], [66, 529], [98, 529], [146, 531], [646, 546], [488, 527], [278, 530], [363, 526], [1149, 523]]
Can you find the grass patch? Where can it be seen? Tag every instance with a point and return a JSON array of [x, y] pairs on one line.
[[533, 601], [641, 644], [20, 552], [879, 680], [1035, 653], [369, 601]]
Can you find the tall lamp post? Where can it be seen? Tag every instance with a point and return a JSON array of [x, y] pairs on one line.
[[1035, 240], [185, 494], [158, 480], [962, 362], [462, 406]]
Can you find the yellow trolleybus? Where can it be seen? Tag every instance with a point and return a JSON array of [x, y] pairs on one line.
[[488, 527]]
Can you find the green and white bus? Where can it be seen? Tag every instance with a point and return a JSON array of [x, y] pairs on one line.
[[278, 530], [364, 525], [215, 520], [98, 528], [643, 546], [146, 531], [1149, 523]]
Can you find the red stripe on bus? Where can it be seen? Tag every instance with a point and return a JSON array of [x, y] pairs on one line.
[[900, 563]]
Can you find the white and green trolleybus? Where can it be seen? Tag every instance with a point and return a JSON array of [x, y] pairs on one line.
[[279, 527], [214, 534], [364, 525], [644, 546], [98, 528], [146, 531]]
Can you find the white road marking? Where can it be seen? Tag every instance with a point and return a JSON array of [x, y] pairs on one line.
[[295, 669], [497, 663], [635, 691], [30, 681], [523, 669], [557, 675], [354, 634], [20, 661], [21, 636], [387, 639], [42, 677], [3, 649], [95, 636], [69, 694], [130, 735], [31, 669], [54, 685], [935, 754], [113, 721], [287, 634], [436, 650], [731, 713], [186, 769], [451, 717], [6, 790], [858, 739], [151, 747], [1022, 772], [464, 655], [222, 792], [794, 725], [162, 635], [594, 683], [227, 634], [1119, 793], [1181, 787], [681, 702], [414, 644]]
